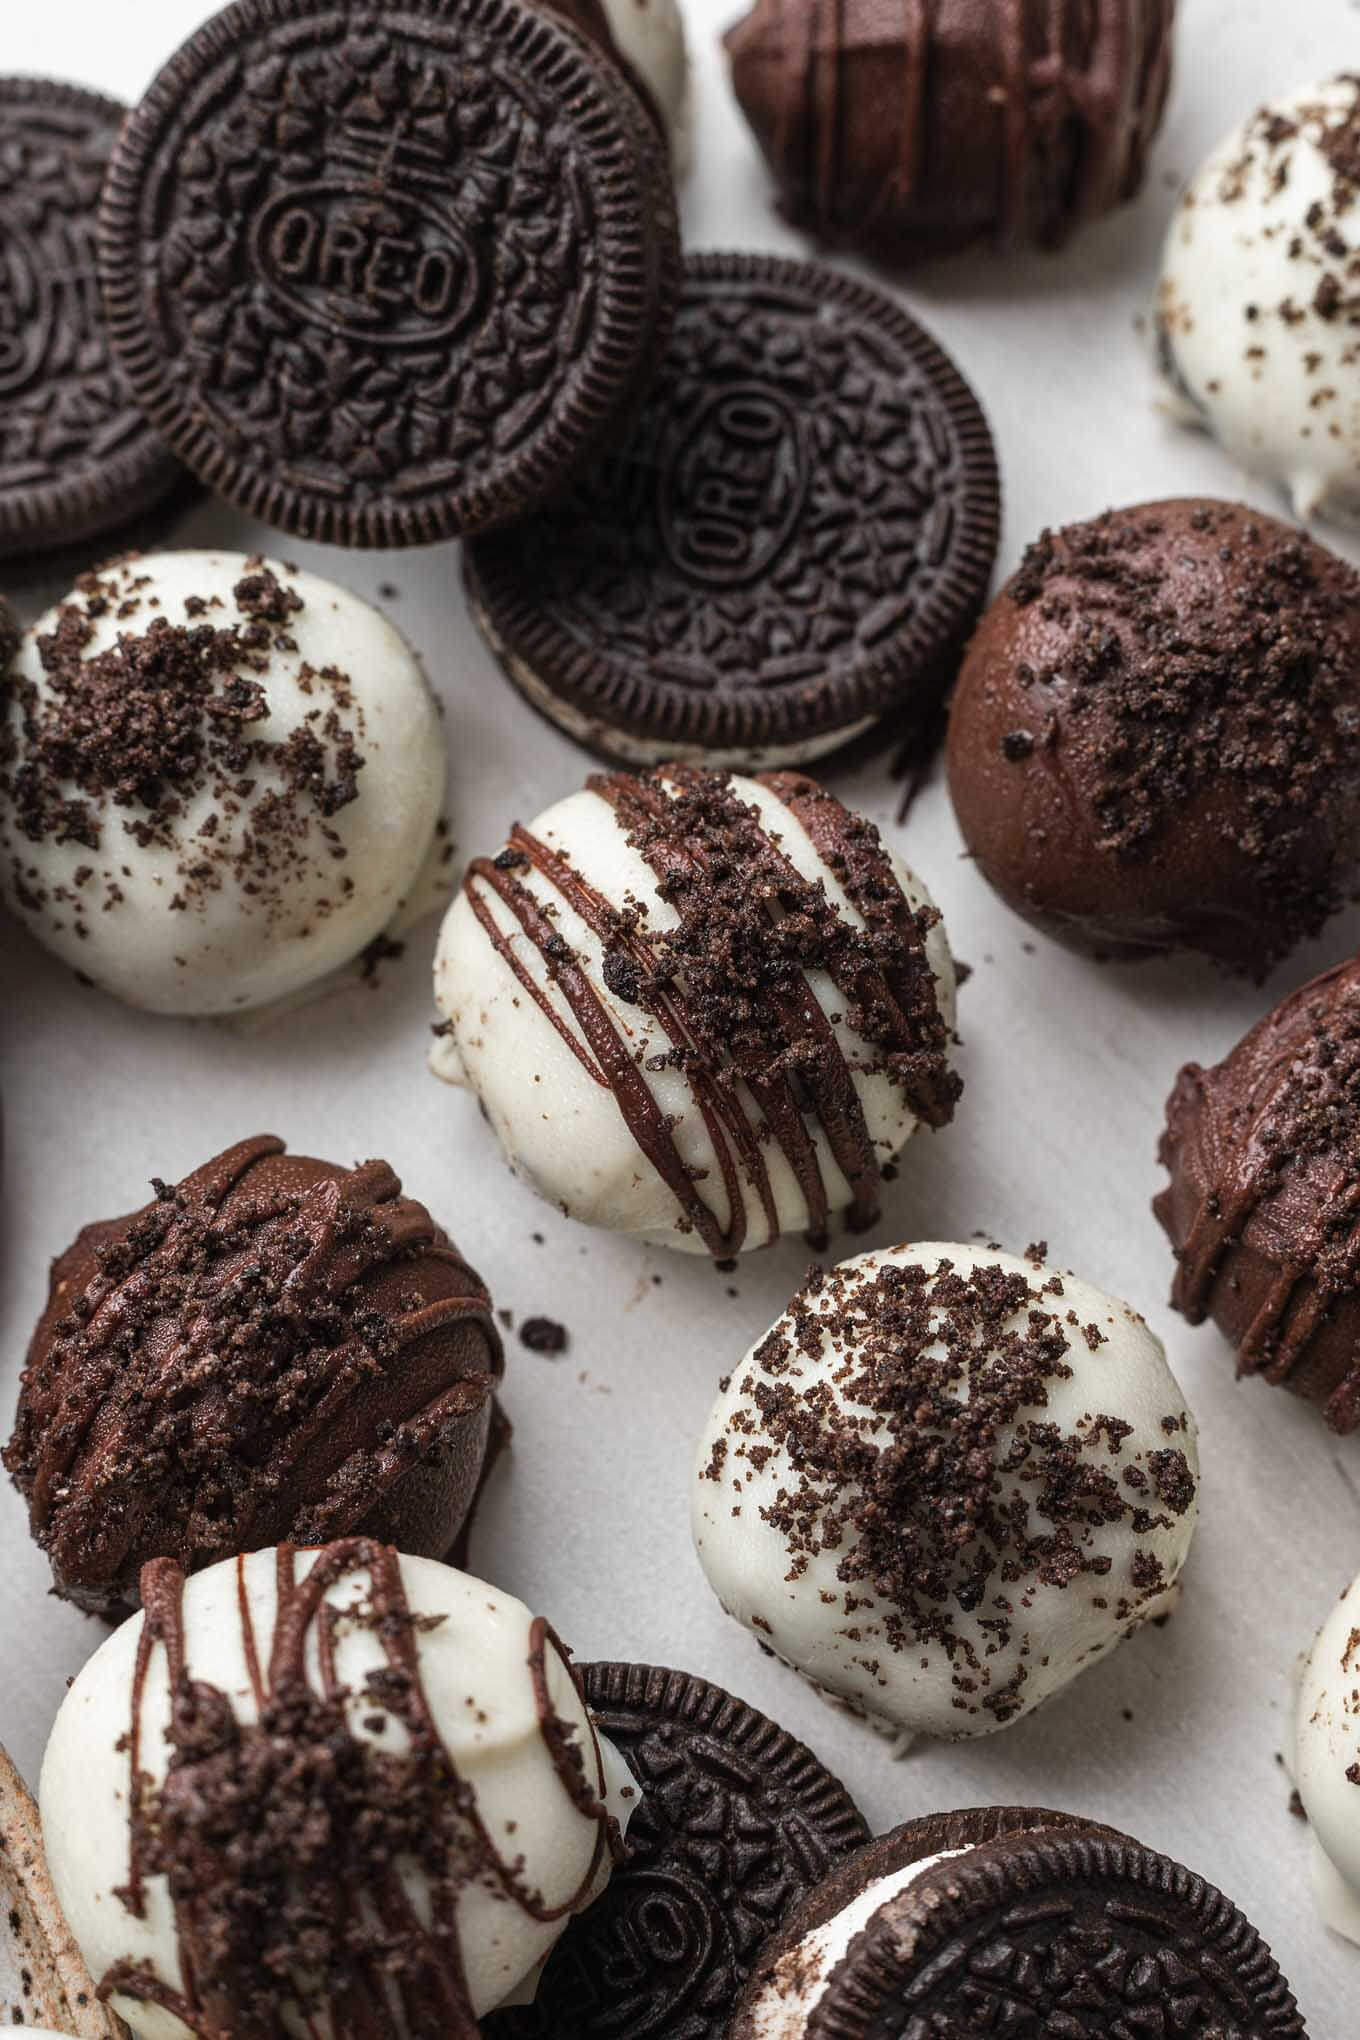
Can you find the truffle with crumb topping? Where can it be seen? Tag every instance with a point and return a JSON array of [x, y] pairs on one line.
[[220, 778], [275, 1347], [1263, 1152], [947, 1481], [1153, 742], [698, 1007]]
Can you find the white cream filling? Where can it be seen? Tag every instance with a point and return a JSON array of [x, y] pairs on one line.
[[802, 1978]]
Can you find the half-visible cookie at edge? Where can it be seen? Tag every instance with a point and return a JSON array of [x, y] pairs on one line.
[[1015, 1920], [77, 458], [737, 1822], [793, 543], [382, 276]]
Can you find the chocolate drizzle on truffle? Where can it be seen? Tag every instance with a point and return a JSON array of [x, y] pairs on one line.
[[729, 984], [289, 1843], [276, 1347], [919, 125], [1263, 1208]]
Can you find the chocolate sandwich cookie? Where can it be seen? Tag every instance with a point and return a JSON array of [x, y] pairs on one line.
[[1014, 1920], [385, 276], [77, 458], [794, 541], [737, 1823]]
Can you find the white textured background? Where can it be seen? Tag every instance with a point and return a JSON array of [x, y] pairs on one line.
[[1066, 1065]]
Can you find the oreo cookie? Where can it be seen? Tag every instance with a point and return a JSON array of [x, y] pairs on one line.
[[736, 1824], [793, 543], [1015, 1920], [77, 458], [386, 275]]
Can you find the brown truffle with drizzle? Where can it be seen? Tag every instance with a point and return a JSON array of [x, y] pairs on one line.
[[911, 127], [1263, 1206], [274, 1347], [337, 1791], [700, 1008]]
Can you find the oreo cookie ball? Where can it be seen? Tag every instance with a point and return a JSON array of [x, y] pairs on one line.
[[1263, 1152], [945, 1482], [274, 1348], [1257, 316], [911, 130], [1153, 742], [337, 1792], [220, 779], [699, 1008], [1014, 1919]]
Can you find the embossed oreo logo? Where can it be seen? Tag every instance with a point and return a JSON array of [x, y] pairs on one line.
[[732, 488], [393, 271], [642, 1952], [25, 313]]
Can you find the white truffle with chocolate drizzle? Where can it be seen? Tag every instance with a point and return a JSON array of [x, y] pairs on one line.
[[946, 1482], [1259, 305], [305, 1788], [220, 778], [700, 1008]]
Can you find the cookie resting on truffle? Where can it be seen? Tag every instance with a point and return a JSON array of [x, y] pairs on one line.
[[275, 1347], [335, 1791], [1154, 738], [699, 1008], [220, 778], [1263, 1152], [1258, 313], [912, 130], [946, 1482]]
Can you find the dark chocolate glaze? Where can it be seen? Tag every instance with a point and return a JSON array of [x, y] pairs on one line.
[[253, 1918], [702, 841], [276, 1347], [1152, 740], [1263, 1206], [911, 127]]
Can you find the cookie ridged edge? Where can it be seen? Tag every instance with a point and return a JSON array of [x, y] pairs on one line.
[[913, 1926], [62, 512], [612, 694], [636, 318]]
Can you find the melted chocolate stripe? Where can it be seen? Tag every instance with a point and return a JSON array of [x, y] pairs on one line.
[[898, 1010], [428, 1985]]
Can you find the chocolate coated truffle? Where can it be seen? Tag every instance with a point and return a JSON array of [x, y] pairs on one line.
[[911, 130], [699, 1008], [339, 1792], [1264, 1156], [945, 1482], [1153, 742], [275, 1347]]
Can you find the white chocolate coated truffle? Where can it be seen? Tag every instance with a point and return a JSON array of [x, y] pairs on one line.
[[475, 1650], [223, 779], [946, 1482], [651, 35], [635, 1054], [1259, 310], [1326, 1754]]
